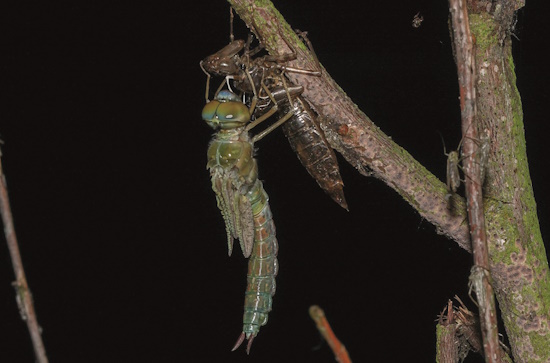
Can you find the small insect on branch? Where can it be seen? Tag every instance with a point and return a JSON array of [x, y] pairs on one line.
[[454, 160], [453, 174]]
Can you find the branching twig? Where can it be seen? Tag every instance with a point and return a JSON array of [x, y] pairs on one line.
[[352, 133], [23, 293], [480, 278], [373, 153], [339, 350]]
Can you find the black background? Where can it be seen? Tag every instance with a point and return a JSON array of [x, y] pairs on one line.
[[124, 247]]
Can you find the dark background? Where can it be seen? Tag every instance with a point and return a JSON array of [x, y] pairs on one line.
[[124, 247]]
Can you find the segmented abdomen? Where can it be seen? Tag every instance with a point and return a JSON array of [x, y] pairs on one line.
[[245, 208], [309, 143], [262, 266]]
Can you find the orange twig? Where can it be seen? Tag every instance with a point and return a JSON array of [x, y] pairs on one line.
[[339, 350]]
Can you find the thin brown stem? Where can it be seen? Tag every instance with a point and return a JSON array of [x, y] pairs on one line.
[[480, 276], [23, 293]]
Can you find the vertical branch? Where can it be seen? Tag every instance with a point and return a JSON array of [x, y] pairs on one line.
[[23, 294], [479, 278]]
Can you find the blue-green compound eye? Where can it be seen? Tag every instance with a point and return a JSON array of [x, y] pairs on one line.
[[233, 112], [209, 110], [225, 115], [226, 95]]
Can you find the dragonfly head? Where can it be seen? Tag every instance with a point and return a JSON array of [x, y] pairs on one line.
[[226, 111]]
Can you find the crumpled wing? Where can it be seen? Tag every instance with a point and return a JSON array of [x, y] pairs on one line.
[[246, 225], [236, 211]]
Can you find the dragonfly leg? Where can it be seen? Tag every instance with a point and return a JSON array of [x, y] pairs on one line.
[[207, 82], [265, 116], [304, 37], [273, 109], [278, 61]]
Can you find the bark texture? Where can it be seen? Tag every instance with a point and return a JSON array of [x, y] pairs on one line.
[[516, 249], [353, 134], [517, 256], [472, 148]]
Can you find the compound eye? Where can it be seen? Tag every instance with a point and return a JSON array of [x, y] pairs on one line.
[[226, 95], [234, 112], [209, 110]]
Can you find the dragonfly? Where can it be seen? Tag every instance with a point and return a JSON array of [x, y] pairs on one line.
[[244, 204]]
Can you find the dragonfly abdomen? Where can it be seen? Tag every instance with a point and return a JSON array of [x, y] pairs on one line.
[[262, 266]]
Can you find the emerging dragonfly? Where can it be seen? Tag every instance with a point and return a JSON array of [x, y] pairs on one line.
[[244, 204], [265, 75], [239, 193]]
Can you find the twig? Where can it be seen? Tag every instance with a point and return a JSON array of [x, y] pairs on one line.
[[339, 350], [23, 293], [373, 153], [352, 133], [465, 60]]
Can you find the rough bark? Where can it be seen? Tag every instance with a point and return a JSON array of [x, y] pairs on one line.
[[353, 134], [516, 249], [472, 148], [517, 256]]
